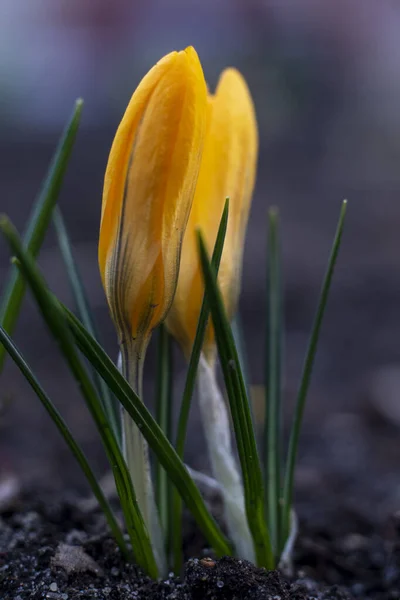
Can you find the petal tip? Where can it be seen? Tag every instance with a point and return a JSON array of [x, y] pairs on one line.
[[232, 76], [190, 51]]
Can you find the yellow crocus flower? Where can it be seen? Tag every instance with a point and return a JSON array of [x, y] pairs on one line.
[[228, 169], [148, 191]]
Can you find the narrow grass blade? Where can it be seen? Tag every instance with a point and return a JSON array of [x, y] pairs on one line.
[[164, 419], [154, 435], [23, 366], [237, 331], [189, 389], [54, 317], [110, 406], [199, 340], [306, 377], [241, 416], [38, 223], [272, 431]]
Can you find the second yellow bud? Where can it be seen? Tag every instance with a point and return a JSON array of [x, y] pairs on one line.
[[228, 169]]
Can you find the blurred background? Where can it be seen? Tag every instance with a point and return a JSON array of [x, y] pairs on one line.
[[325, 75]]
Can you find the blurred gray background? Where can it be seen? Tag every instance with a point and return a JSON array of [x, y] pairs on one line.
[[325, 75]]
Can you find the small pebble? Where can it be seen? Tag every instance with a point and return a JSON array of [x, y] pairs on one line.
[[220, 584], [207, 562], [53, 587], [73, 559]]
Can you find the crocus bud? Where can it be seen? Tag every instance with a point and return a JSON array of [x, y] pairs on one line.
[[228, 169], [148, 191]]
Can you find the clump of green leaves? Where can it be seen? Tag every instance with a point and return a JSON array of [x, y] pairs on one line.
[[267, 485]]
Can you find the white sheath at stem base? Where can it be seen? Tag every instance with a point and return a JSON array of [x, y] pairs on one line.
[[136, 453], [286, 558], [225, 470]]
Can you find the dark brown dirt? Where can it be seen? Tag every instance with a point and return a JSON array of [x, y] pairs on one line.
[[329, 565]]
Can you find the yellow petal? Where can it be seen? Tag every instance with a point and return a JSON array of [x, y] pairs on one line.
[[228, 169], [148, 191]]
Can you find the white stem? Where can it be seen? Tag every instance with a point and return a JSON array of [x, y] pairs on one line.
[[208, 483], [218, 437], [136, 453], [286, 559]]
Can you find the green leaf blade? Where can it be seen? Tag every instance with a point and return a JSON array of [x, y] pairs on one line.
[[273, 408], [38, 222], [306, 376], [199, 340], [241, 416], [110, 406]]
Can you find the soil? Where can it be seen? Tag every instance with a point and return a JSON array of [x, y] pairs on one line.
[[61, 551]]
